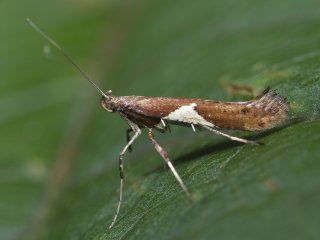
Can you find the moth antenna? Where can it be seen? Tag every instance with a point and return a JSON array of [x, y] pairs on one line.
[[69, 59]]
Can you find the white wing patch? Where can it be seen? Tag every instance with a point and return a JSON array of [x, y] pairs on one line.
[[188, 114]]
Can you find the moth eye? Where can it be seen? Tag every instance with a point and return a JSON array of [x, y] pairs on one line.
[[112, 106]]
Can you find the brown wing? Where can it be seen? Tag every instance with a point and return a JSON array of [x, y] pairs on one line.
[[264, 112], [157, 107]]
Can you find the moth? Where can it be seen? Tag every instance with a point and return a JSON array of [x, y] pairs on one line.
[[158, 113]]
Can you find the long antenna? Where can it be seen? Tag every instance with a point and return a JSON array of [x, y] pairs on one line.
[[69, 59]]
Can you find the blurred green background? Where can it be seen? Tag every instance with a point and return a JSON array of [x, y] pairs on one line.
[[58, 162]]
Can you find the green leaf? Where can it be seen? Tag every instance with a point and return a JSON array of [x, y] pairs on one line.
[[59, 174]]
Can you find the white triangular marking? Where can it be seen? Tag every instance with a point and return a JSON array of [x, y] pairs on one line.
[[188, 114]]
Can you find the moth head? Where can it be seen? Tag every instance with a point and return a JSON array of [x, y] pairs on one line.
[[108, 102]]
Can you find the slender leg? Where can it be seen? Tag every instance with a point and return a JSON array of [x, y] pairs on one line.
[[231, 137], [128, 138], [137, 132], [164, 155]]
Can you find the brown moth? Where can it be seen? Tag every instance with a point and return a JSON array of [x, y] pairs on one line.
[[157, 113]]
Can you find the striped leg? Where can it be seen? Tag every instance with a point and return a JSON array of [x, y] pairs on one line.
[[137, 132], [231, 137], [128, 138], [164, 155]]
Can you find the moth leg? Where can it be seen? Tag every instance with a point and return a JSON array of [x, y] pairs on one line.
[[164, 155], [137, 132], [163, 123], [229, 136], [128, 138]]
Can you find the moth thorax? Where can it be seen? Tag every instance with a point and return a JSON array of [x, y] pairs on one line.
[[108, 104]]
